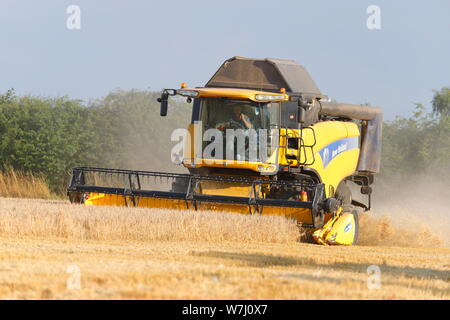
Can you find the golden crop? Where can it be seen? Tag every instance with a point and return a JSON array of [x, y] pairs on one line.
[[123, 253]]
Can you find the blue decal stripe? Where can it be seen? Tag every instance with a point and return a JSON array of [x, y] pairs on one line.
[[330, 151]]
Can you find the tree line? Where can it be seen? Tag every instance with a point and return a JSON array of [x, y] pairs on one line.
[[50, 136]]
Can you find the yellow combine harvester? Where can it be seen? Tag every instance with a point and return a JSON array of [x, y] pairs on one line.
[[263, 140]]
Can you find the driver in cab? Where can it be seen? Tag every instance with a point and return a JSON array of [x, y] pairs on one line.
[[238, 120]]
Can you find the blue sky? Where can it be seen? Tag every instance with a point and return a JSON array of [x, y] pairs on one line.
[[156, 44]]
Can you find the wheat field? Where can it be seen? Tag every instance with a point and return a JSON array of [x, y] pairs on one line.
[[17, 184], [55, 250]]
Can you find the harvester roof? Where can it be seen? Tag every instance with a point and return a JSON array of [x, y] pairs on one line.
[[264, 74]]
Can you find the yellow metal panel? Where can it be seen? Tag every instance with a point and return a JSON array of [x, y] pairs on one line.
[[325, 133], [300, 214], [233, 93]]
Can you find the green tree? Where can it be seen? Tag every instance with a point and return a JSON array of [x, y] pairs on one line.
[[416, 145], [441, 102], [44, 135], [8, 97]]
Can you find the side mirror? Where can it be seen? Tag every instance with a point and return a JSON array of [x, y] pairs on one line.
[[304, 104], [163, 100], [301, 115], [163, 110]]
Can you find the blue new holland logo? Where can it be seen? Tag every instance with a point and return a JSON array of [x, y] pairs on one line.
[[329, 152]]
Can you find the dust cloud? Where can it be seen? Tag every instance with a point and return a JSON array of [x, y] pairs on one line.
[[413, 212]]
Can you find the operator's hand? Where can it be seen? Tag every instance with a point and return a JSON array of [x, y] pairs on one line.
[[246, 120]]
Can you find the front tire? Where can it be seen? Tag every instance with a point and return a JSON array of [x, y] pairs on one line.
[[355, 214]]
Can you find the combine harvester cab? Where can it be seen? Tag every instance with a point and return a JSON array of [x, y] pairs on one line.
[[263, 140]]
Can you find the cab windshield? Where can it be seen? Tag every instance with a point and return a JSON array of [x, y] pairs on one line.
[[256, 121]]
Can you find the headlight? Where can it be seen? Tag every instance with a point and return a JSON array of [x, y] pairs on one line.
[[267, 169], [267, 97], [188, 93]]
